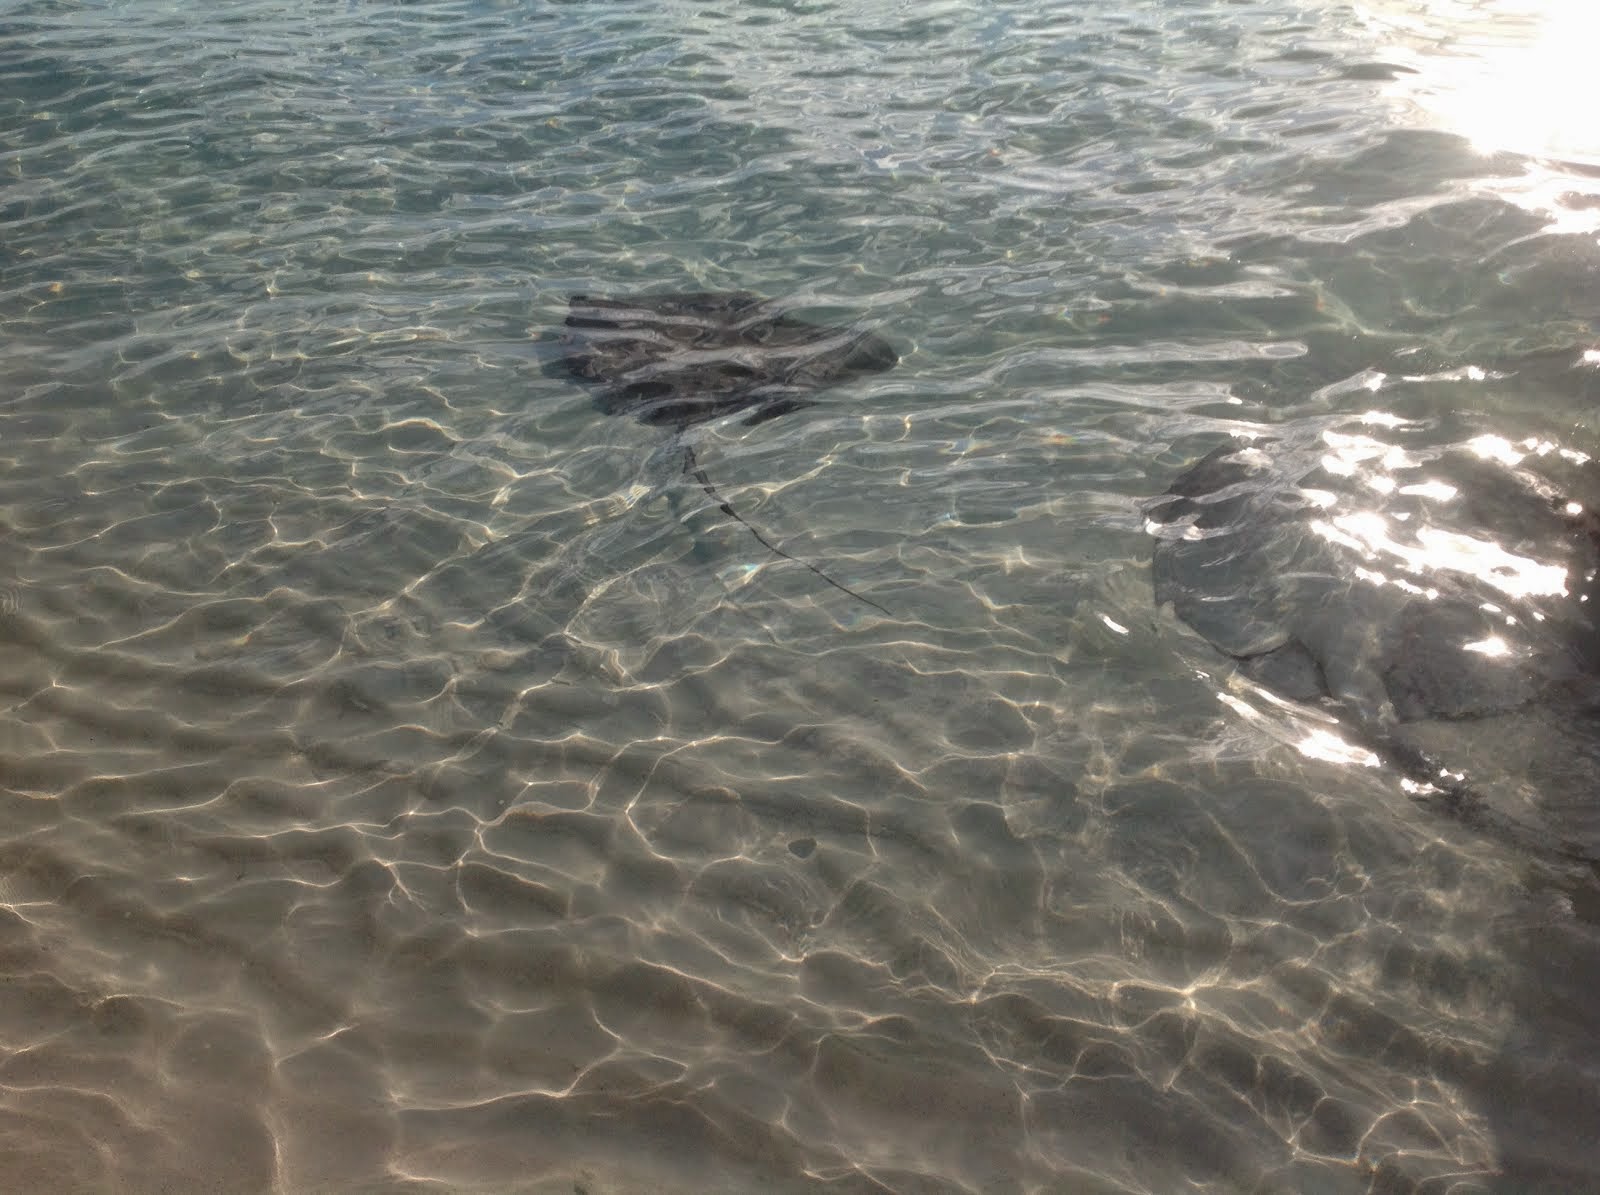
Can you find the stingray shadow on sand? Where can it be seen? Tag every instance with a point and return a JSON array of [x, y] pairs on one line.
[[677, 360]]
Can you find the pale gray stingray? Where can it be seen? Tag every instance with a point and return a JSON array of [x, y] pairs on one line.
[[675, 360], [1435, 600]]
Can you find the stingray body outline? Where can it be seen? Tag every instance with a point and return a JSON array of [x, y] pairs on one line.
[[1245, 557], [679, 359]]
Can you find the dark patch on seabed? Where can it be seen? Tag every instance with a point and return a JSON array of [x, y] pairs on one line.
[[1423, 658], [676, 360]]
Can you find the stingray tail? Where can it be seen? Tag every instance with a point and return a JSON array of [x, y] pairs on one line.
[[1455, 796], [692, 467]]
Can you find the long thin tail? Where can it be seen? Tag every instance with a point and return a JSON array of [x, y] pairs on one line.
[[1455, 796], [692, 467]]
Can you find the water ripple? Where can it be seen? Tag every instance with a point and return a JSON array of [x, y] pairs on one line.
[[408, 782]]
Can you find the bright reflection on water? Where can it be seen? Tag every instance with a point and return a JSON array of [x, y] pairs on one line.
[[1422, 551], [1509, 75], [1433, 551]]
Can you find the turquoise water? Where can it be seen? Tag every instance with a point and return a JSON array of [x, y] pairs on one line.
[[412, 781]]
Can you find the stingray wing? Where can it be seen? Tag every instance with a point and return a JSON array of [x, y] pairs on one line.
[[679, 359]]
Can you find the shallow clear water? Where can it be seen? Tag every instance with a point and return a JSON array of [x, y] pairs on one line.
[[413, 782]]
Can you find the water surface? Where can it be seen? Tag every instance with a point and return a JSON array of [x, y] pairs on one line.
[[413, 782]]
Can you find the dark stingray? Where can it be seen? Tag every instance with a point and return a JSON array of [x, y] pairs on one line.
[[1438, 601], [675, 360]]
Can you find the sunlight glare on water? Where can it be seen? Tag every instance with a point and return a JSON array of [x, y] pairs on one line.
[[1509, 75], [1506, 74]]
